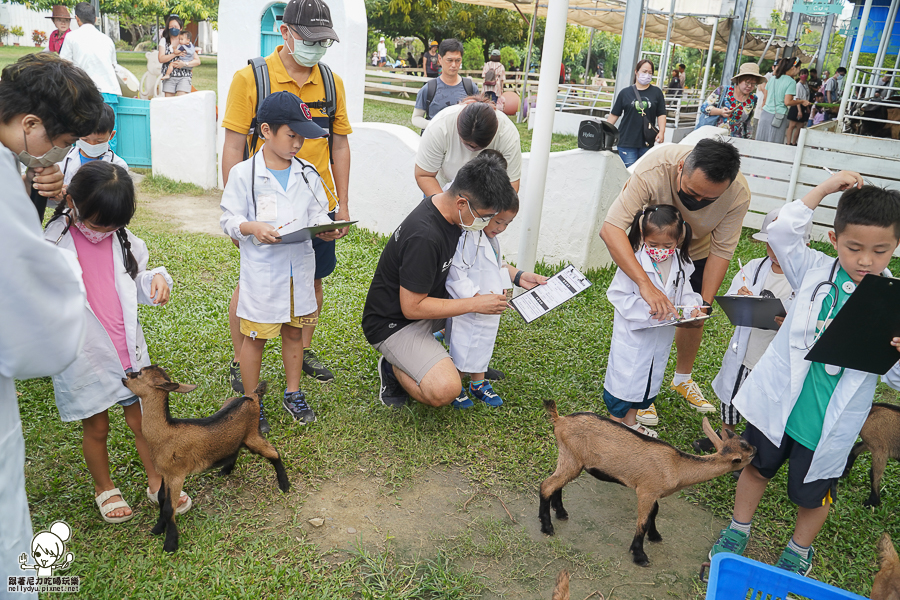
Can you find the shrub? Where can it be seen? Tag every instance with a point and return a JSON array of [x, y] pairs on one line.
[[122, 45], [17, 31], [473, 54], [4, 33], [38, 37]]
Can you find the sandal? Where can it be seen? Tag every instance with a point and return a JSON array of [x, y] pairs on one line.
[[108, 508], [643, 430], [181, 509]]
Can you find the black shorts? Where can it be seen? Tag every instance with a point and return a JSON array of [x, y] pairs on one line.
[[798, 114], [768, 461], [697, 275], [326, 259]]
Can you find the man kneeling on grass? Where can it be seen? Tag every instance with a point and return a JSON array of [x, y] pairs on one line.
[[408, 300]]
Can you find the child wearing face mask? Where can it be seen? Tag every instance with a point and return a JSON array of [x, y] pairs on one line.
[[92, 147], [638, 353], [90, 222]]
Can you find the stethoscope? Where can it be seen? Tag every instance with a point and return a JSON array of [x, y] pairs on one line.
[[462, 253], [848, 287], [304, 166]]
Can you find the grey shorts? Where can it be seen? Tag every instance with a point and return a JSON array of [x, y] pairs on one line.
[[413, 349], [177, 84]]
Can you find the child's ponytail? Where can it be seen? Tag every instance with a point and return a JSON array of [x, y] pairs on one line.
[[130, 261], [683, 256], [634, 234]]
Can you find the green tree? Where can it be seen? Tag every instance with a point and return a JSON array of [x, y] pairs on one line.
[[473, 53], [191, 10]]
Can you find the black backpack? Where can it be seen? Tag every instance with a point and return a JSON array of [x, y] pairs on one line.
[[431, 90], [263, 89]]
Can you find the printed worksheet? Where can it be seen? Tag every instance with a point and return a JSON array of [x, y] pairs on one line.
[[560, 288]]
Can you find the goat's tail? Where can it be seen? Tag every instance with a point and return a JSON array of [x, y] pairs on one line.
[[561, 591], [261, 388], [550, 406], [886, 551]]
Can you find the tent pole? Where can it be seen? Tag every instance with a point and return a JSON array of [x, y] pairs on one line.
[[824, 43], [548, 87], [735, 40], [712, 43], [845, 56], [643, 29], [793, 29], [524, 93], [587, 61], [664, 58], [851, 72], [630, 51]]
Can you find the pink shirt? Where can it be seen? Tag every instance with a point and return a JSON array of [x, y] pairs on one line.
[[99, 274]]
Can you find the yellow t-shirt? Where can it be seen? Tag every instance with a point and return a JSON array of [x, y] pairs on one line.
[[240, 107]]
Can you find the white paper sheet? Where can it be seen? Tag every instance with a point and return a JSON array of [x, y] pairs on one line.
[[560, 288]]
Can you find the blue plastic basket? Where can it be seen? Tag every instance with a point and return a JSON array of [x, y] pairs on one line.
[[733, 577]]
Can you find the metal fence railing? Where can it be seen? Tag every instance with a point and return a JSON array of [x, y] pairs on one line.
[[873, 104]]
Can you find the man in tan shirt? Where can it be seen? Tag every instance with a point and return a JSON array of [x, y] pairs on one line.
[[706, 185]]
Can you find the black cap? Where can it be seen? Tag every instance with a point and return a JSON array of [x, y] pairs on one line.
[[311, 19], [285, 107]]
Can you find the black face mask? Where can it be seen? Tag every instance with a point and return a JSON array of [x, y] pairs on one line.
[[688, 201]]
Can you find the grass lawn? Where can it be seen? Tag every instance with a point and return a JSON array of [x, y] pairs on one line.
[[233, 547]]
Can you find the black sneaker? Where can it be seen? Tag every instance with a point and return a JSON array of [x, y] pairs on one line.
[[295, 404], [263, 423], [313, 367], [391, 392], [703, 445], [236, 384], [494, 374]]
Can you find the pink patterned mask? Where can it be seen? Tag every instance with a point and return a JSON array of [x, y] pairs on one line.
[[94, 237], [659, 255]]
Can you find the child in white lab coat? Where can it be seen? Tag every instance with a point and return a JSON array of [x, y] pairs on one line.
[[93, 147], [805, 413], [91, 223], [478, 268], [638, 354], [271, 193]]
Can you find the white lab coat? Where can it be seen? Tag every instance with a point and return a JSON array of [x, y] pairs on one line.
[[634, 351], [768, 395], [756, 270], [266, 270], [93, 383], [471, 336], [72, 162], [41, 331]]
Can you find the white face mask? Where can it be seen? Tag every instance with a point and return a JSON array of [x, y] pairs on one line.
[[307, 56], [51, 157], [478, 223], [92, 150]]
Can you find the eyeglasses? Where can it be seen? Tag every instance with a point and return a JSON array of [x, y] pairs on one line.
[[323, 43], [476, 215]]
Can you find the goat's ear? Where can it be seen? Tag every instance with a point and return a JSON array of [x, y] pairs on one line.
[[728, 433], [171, 386], [711, 434], [184, 388]]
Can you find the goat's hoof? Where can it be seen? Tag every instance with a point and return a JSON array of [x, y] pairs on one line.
[[641, 561], [158, 529], [547, 530], [654, 537], [872, 502], [562, 515], [170, 548]]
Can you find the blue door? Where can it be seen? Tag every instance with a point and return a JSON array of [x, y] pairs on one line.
[[133, 131], [270, 29]]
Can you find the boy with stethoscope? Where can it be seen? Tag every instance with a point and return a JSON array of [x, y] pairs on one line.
[[807, 413]]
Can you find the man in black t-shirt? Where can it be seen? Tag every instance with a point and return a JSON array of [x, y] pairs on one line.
[[408, 301]]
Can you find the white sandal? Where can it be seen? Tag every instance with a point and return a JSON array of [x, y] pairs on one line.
[[180, 509], [643, 430], [108, 508]]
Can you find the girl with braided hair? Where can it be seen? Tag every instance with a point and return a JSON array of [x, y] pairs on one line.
[[90, 222]]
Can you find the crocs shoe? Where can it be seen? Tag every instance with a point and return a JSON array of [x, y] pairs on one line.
[[690, 391], [462, 401], [793, 562], [234, 370], [730, 540], [295, 405], [313, 367], [648, 416]]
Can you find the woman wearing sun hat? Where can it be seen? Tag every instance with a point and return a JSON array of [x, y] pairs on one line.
[[735, 104], [62, 19]]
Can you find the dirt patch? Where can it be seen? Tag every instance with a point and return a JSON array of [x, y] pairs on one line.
[[499, 535], [191, 214]]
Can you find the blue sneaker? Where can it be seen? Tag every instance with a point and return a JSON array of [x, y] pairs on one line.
[[486, 394], [295, 404], [462, 401], [439, 336], [263, 422], [793, 562]]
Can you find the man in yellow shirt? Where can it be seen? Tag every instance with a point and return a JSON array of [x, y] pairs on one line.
[[294, 67]]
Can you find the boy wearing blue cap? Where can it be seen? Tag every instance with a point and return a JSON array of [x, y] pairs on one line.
[[271, 193]]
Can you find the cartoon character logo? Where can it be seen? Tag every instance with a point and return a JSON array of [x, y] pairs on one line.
[[305, 110], [49, 551]]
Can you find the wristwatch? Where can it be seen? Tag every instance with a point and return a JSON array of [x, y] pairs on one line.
[[518, 278], [708, 307]]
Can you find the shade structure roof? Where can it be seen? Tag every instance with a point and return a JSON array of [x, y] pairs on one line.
[[687, 31]]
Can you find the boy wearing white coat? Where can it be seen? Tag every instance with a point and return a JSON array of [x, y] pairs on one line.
[[760, 276], [638, 354], [478, 268], [267, 192], [804, 412]]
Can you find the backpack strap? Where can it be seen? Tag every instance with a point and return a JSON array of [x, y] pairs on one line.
[[430, 91], [469, 86], [330, 104], [261, 77]]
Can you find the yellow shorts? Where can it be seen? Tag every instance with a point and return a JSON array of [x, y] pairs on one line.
[[267, 331]]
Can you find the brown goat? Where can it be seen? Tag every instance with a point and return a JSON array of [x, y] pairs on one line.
[[561, 591], [887, 581], [881, 436], [179, 447], [613, 452]]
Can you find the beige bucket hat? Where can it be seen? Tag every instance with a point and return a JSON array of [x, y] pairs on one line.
[[749, 68]]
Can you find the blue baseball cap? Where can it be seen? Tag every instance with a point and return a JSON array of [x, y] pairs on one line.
[[285, 107]]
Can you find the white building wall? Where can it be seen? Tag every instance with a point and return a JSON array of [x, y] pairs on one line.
[[183, 138]]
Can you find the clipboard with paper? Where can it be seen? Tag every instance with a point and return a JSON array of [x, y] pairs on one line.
[[859, 337], [560, 288], [758, 312], [307, 233]]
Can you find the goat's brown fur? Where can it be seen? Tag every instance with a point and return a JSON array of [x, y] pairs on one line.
[[179, 447], [881, 436], [613, 452], [887, 581], [561, 591]]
